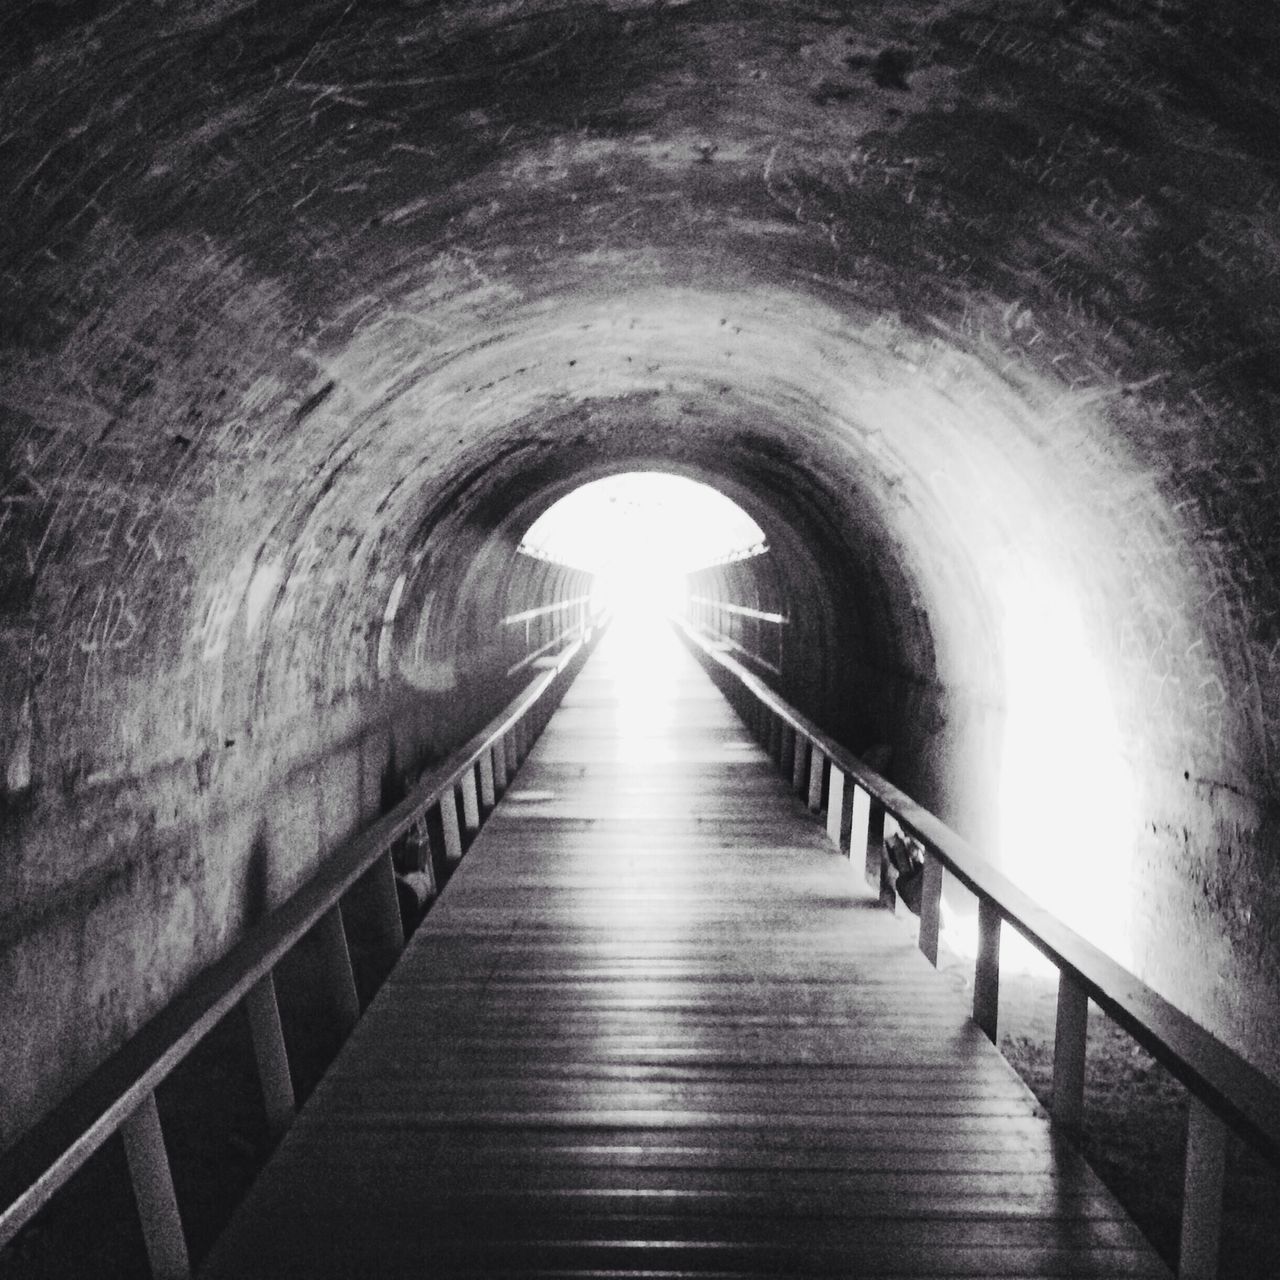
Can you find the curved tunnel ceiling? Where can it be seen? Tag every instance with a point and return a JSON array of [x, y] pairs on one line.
[[978, 300]]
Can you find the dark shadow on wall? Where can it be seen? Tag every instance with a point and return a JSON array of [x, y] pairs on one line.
[[257, 879], [393, 785]]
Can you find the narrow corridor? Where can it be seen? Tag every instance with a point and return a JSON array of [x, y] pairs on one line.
[[654, 1026]]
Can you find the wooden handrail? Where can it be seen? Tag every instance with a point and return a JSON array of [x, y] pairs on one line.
[[526, 615], [742, 610], [41, 1161], [1216, 1075]]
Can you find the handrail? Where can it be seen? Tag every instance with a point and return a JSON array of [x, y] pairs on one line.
[[1230, 1088], [527, 615], [41, 1161], [537, 654], [741, 609]]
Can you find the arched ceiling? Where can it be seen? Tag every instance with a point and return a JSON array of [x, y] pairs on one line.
[[982, 296]]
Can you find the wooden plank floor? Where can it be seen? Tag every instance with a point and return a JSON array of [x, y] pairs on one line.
[[654, 1028]]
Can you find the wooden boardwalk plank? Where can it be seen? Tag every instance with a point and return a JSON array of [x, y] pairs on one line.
[[654, 1026]]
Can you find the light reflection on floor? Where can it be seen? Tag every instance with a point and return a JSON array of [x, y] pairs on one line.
[[661, 776], [647, 665], [645, 661]]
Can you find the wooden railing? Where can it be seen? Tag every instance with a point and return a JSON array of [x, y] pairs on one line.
[[740, 610], [570, 619], [754, 633], [120, 1095], [1226, 1091]]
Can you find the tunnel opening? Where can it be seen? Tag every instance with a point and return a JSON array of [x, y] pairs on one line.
[[567, 548], [642, 535], [969, 664]]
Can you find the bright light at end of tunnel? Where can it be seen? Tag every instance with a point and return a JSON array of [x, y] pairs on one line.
[[640, 533], [632, 589], [1067, 813]]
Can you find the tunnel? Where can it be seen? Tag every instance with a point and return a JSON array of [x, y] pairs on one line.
[[311, 308]]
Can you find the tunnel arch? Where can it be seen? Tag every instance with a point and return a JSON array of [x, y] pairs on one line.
[[297, 307], [515, 498]]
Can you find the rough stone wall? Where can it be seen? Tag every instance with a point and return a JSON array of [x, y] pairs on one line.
[[981, 296]]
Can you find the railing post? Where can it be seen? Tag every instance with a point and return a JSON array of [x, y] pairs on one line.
[[380, 883], [510, 752], [876, 862], [1202, 1193], [269, 1051], [763, 717], [846, 816], [499, 755], [449, 818], [487, 796], [427, 864], [931, 906], [787, 760], [859, 814], [775, 737], [470, 800], [816, 762], [1070, 1033], [337, 964], [153, 1190], [835, 804], [800, 762], [986, 978]]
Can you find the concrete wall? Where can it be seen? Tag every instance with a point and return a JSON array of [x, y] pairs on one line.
[[119, 887]]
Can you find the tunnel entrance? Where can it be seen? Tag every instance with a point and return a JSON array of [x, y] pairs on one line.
[[658, 545], [644, 535]]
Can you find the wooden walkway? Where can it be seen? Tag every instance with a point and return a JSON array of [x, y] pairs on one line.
[[653, 1027]]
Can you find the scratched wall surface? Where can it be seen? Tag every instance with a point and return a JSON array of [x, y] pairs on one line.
[[975, 301]]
